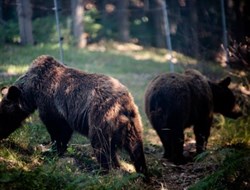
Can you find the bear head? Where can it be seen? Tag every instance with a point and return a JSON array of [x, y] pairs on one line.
[[224, 99], [11, 112]]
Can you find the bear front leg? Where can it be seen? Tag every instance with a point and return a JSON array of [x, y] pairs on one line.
[[63, 139], [59, 131], [102, 149], [60, 136]]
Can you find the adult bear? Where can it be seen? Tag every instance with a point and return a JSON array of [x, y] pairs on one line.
[[175, 101], [94, 105]]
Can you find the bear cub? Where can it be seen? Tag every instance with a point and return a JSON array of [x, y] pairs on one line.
[[176, 101]]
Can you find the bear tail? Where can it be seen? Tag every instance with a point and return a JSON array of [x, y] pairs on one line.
[[134, 146]]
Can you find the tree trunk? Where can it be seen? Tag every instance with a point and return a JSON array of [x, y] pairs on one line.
[[77, 8], [159, 23], [194, 28], [122, 20], [102, 8], [24, 12], [1, 10]]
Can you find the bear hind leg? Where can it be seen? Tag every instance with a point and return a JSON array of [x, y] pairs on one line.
[[105, 152], [177, 148], [202, 133], [136, 153], [159, 124], [166, 142], [176, 138], [172, 141], [114, 158]]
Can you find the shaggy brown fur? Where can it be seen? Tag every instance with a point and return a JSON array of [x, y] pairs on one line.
[[68, 100], [175, 101]]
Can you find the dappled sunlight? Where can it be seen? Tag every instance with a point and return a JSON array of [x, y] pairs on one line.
[[162, 57], [16, 69], [148, 56], [127, 166], [96, 47], [56, 47], [127, 47], [11, 71], [141, 53], [17, 157], [151, 137]]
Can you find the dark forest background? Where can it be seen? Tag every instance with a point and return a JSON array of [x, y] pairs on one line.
[[195, 26]]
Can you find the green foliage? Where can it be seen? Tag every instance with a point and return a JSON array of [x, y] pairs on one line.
[[232, 131], [233, 169], [36, 179], [140, 30], [9, 32], [232, 157], [30, 133], [91, 26], [44, 30]]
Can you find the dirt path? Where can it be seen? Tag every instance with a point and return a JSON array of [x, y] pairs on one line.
[[168, 176], [179, 177]]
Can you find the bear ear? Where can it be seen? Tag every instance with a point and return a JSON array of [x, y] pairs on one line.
[[225, 82], [13, 93], [4, 90]]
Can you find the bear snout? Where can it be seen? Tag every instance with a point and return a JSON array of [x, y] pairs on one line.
[[235, 113]]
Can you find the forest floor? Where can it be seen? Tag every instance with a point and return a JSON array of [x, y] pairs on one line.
[[175, 177], [164, 175]]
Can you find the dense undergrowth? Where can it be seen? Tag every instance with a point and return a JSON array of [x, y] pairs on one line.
[[23, 164]]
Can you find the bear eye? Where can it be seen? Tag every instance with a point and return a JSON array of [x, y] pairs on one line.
[[9, 105]]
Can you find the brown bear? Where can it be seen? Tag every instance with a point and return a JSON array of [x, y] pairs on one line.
[[68, 100], [176, 101]]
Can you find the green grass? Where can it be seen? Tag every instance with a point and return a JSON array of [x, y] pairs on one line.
[[24, 166]]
